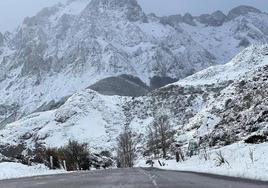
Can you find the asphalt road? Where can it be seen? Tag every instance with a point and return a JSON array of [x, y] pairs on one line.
[[132, 178]]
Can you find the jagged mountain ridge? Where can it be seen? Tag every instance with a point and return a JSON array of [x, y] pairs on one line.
[[66, 48], [90, 42], [222, 35], [229, 110]]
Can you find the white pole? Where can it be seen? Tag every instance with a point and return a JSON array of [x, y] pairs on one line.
[[29, 163], [51, 162], [64, 165]]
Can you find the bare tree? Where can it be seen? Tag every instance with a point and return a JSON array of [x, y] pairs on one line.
[[126, 151], [160, 135], [152, 142]]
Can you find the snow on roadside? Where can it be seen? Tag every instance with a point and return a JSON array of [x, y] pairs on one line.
[[238, 157], [9, 170]]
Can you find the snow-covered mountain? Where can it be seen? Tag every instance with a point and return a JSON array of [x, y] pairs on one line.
[[224, 35], [48, 63], [228, 110], [68, 47]]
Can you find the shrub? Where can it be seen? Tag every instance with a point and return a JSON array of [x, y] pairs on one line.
[[220, 159], [106, 154], [56, 156], [256, 139], [76, 155]]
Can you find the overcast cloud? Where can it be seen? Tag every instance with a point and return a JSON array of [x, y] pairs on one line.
[[12, 12]]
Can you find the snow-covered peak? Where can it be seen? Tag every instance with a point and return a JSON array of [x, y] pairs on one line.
[[128, 8], [74, 7], [226, 40], [215, 19], [248, 60], [54, 13], [114, 4], [242, 10]]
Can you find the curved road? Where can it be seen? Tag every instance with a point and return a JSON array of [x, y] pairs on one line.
[[132, 178]]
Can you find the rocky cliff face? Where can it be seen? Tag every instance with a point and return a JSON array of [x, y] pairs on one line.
[[66, 48]]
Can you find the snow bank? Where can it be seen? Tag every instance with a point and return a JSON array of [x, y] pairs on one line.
[[10, 170], [238, 157]]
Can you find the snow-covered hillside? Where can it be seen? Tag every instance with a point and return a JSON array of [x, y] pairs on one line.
[[246, 61], [208, 109]]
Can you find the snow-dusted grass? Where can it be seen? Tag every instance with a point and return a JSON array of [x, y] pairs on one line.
[[240, 163], [10, 170]]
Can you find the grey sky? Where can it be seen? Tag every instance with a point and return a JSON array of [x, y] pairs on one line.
[[12, 12]]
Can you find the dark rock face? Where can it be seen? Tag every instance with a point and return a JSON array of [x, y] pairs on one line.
[[219, 16], [124, 85], [175, 20], [172, 20], [8, 114], [157, 82], [12, 151], [189, 19], [241, 10], [244, 42], [215, 19]]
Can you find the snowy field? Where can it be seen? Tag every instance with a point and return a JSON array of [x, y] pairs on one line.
[[10, 170], [246, 161]]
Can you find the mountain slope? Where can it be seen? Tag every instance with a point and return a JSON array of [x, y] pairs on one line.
[[67, 48], [228, 111], [249, 59]]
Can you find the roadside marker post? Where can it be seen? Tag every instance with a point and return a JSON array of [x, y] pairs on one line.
[[51, 162], [64, 165]]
